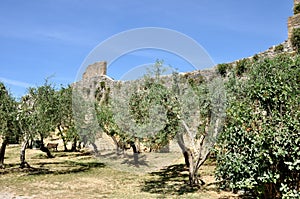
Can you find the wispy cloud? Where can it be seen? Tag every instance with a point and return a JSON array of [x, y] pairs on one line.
[[16, 83], [40, 33], [68, 36]]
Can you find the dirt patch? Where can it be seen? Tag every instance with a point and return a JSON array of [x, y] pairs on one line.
[[5, 194], [140, 163]]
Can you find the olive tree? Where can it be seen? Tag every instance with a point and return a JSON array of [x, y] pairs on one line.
[[26, 121], [157, 109], [8, 126], [201, 117], [65, 120], [42, 120], [84, 114]]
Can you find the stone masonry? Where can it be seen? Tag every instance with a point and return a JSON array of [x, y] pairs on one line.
[[293, 21], [96, 69]]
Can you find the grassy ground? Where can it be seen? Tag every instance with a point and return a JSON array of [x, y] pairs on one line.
[[80, 175]]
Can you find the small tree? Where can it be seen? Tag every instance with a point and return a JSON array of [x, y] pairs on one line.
[[8, 126], [297, 8], [140, 111], [242, 66], [222, 69], [259, 148], [105, 116], [65, 120], [201, 117], [157, 109], [84, 114], [44, 110], [27, 123]]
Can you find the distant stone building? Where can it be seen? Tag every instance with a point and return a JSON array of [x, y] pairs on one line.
[[96, 69]]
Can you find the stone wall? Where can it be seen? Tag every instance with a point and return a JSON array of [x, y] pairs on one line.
[[293, 22]]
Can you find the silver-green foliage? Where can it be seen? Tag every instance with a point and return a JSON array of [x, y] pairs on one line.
[[38, 113], [8, 125]]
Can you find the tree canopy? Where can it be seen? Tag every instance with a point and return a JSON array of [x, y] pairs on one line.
[[259, 150]]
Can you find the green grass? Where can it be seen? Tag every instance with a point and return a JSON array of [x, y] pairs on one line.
[[80, 175]]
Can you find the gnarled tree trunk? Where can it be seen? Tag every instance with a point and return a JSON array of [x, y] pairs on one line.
[[62, 137], [95, 148], [135, 153], [45, 149], [23, 163], [2, 151], [189, 162], [119, 149], [74, 145]]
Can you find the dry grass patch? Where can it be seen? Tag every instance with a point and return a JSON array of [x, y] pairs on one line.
[[80, 175]]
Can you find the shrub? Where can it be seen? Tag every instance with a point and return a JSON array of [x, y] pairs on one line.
[[255, 57], [296, 39], [297, 9], [242, 66], [194, 80], [259, 149], [222, 69], [279, 48]]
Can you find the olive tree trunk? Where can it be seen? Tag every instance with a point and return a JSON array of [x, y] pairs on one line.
[[135, 153], [191, 163], [95, 148], [74, 144], [23, 163], [45, 149], [2, 152], [62, 137]]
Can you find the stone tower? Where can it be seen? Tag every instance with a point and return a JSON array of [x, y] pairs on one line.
[[94, 70], [293, 21]]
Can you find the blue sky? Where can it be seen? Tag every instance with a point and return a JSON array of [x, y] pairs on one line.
[[51, 38]]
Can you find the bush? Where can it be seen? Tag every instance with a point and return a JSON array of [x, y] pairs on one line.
[[259, 149], [255, 57], [297, 9], [242, 66], [279, 48], [194, 80], [296, 39], [222, 69]]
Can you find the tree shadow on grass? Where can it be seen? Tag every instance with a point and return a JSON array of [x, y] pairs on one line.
[[56, 168], [71, 154], [133, 159], [113, 155], [65, 167], [172, 180], [136, 160]]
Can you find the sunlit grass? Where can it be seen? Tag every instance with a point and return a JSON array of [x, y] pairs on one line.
[[80, 175]]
